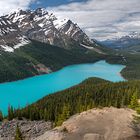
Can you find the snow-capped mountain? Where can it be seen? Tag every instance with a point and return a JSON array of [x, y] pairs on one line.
[[19, 27], [10, 35], [132, 39]]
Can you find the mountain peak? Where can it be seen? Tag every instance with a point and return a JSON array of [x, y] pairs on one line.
[[41, 11], [42, 26]]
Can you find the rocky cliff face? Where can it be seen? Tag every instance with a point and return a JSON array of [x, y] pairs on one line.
[[10, 35], [18, 28]]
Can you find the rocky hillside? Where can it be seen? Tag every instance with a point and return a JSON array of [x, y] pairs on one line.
[[95, 124], [18, 28], [30, 129]]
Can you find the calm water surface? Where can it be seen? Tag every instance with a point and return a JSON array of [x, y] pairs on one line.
[[23, 92]]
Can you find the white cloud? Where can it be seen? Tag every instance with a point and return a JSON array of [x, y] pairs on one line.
[[7, 6], [103, 19], [100, 19]]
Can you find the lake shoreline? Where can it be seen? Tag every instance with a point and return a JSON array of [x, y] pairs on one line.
[[63, 68], [30, 90]]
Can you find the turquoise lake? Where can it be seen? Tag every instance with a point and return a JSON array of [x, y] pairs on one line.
[[27, 91]]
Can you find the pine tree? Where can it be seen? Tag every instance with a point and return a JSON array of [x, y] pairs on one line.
[[45, 115], [66, 111], [64, 115], [134, 101], [1, 116], [18, 135], [10, 113]]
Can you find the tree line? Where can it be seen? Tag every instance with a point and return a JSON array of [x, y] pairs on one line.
[[91, 93]]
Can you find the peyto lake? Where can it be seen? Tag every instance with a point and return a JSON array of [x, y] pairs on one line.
[[27, 91]]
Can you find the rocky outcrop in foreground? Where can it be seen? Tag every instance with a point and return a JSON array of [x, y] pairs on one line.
[[30, 129], [96, 124]]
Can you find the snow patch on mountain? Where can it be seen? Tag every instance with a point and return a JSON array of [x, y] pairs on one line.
[[59, 23], [7, 48], [23, 42], [39, 25], [131, 39]]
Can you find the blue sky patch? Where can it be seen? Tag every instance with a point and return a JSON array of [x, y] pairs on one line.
[[52, 3]]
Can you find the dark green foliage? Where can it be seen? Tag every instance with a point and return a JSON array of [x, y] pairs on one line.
[[20, 64], [132, 70], [138, 110], [89, 94], [134, 101], [18, 135], [10, 113], [132, 63], [62, 116], [1, 116], [94, 81]]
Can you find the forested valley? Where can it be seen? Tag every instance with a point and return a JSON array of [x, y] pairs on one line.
[[92, 93]]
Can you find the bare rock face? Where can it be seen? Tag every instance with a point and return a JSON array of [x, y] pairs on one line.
[[29, 129], [10, 35], [51, 135], [42, 69], [92, 136]]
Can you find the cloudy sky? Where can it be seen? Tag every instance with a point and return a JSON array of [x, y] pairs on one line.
[[100, 19]]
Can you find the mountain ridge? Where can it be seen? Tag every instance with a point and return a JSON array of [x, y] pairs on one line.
[[19, 27], [123, 42]]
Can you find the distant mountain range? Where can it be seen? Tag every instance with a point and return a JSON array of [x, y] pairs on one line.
[[132, 39]]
